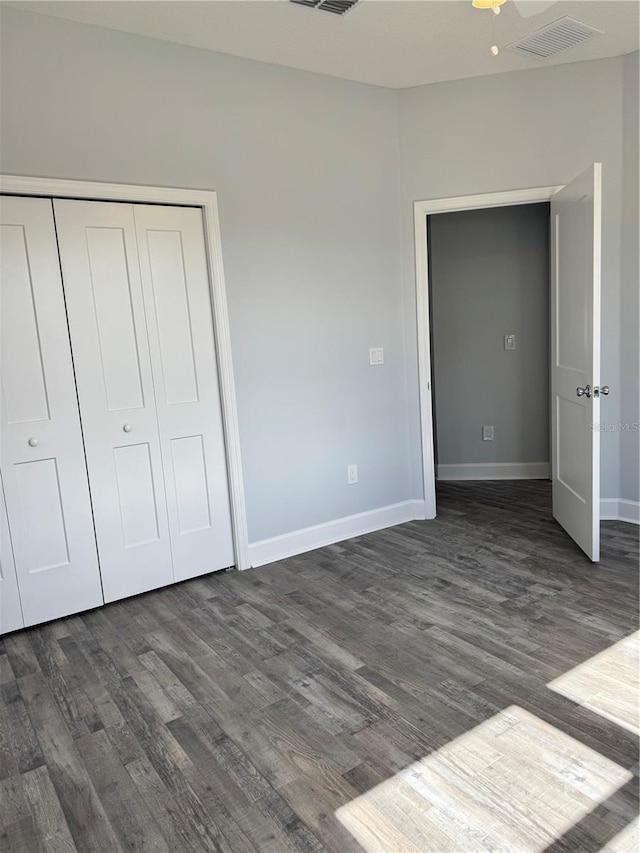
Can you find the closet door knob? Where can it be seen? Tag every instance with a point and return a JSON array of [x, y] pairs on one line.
[[127, 428], [33, 442]]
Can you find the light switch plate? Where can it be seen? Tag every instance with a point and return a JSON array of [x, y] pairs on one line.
[[376, 356], [509, 341]]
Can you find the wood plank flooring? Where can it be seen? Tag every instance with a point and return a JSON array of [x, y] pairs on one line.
[[427, 687]]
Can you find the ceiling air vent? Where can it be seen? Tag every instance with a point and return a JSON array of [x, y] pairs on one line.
[[337, 7], [561, 35]]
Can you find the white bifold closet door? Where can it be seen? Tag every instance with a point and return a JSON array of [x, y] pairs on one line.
[[43, 467], [101, 274], [175, 284], [140, 320]]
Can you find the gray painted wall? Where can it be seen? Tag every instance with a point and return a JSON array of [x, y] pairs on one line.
[[510, 131], [315, 232], [305, 167], [489, 277], [630, 291]]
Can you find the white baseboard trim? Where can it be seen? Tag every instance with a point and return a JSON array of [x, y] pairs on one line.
[[629, 511], [309, 538], [618, 509], [609, 509], [495, 471]]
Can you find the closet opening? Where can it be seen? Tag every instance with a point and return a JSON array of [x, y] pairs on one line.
[[120, 456]]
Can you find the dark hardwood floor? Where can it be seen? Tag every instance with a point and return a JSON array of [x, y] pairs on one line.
[[240, 711]]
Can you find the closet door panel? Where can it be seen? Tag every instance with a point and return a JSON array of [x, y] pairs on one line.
[[10, 607], [43, 464], [175, 282], [110, 288], [108, 332]]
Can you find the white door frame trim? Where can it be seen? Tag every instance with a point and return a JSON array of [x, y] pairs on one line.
[[422, 209], [207, 201]]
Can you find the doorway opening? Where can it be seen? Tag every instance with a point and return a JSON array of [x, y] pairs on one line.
[[575, 254], [422, 210], [489, 290]]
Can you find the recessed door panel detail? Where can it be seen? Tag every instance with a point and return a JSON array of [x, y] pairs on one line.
[[138, 509], [175, 337], [573, 443], [49, 522], [23, 379], [571, 303], [11, 617], [111, 290], [192, 490], [43, 514]]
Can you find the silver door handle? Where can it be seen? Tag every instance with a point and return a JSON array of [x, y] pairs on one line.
[[603, 389], [127, 427], [33, 442], [583, 392]]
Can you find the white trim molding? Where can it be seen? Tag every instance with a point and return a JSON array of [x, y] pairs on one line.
[[495, 471], [309, 538], [207, 201], [422, 209], [619, 509]]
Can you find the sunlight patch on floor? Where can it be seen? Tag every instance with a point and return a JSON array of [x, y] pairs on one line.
[[608, 683], [512, 783]]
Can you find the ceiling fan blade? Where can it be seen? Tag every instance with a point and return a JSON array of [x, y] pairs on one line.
[[527, 8]]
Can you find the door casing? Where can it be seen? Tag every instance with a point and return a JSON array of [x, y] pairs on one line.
[[206, 201], [421, 210]]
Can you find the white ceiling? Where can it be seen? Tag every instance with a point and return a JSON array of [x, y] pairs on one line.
[[393, 43]]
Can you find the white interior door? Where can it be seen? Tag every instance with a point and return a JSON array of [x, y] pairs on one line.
[[175, 283], [43, 465], [575, 358], [10, 608], [105, 307]]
